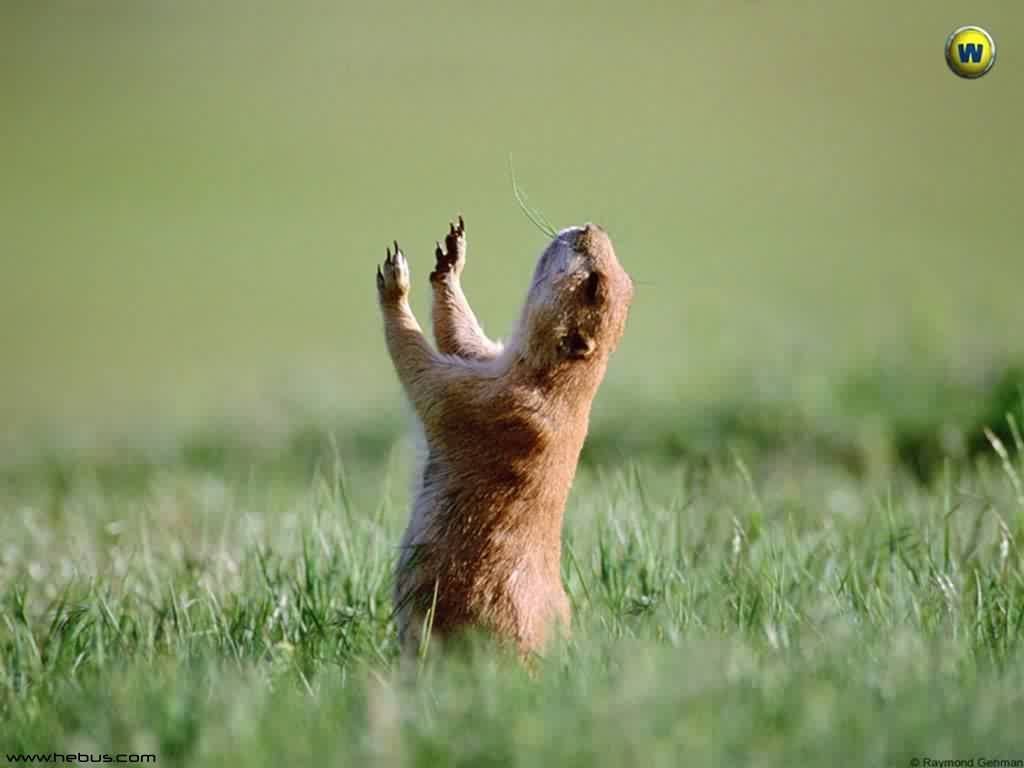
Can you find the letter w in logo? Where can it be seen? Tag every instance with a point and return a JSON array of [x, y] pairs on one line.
[[970, 52]]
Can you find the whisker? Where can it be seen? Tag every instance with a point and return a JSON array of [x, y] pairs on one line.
[[537, 218]]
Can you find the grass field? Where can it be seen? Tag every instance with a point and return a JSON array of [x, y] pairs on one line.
[[760, 610], [796, 533]]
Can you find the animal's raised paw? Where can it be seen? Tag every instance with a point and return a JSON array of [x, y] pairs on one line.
[[393, 276], [452, 259]]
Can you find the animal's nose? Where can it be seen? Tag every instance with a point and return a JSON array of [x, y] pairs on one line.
[[593, 240]]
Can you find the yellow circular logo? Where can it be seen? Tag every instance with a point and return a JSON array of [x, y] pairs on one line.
[[970, 52]]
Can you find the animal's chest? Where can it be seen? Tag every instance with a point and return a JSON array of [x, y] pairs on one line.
[[501, 435]]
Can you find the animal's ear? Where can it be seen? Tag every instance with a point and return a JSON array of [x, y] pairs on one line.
[[577, 346]]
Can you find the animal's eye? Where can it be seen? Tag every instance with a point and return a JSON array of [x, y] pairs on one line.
[[591, 286]]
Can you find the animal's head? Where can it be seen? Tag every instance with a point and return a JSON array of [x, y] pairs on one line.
[[578, 301]]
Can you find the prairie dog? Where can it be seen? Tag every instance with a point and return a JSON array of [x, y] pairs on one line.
[[503, 426]]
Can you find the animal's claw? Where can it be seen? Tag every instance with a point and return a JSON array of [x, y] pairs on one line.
[[452, 258], [393, 275]]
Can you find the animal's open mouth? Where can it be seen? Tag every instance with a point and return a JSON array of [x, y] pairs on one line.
[[578, 346]]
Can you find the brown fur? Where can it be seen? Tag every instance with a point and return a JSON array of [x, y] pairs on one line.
[[503, 429]]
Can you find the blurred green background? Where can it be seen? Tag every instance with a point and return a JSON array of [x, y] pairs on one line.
[[193, 195]]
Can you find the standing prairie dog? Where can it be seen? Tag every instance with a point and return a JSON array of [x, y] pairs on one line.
[[503, 427]]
